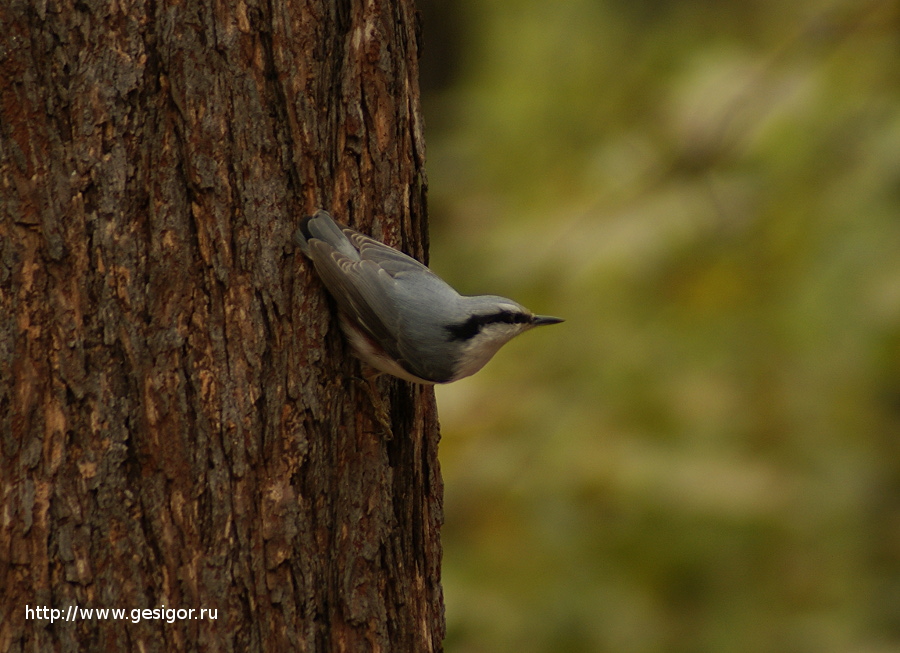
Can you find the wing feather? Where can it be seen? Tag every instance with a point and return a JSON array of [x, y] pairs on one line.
[[389, 259], [355, 287], [365, 289]]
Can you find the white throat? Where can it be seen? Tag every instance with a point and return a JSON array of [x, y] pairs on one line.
[[482, 347]]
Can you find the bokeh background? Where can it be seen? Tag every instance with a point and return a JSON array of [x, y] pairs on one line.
[[706, 456]]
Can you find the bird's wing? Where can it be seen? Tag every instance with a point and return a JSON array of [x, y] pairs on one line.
[[387, 258], [358, 288], [392, 315]]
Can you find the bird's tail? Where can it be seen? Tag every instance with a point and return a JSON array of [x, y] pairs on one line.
[[322, 226]]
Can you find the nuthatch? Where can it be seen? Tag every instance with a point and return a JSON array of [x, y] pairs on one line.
[[400, 317]]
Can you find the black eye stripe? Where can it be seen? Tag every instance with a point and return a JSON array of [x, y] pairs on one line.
[[474, 324]]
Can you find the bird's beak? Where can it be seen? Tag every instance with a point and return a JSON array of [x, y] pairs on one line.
[[541, 320]]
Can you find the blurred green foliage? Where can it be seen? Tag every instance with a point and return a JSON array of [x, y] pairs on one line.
[[706, 456]]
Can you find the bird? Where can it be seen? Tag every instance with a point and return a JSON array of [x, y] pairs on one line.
[[400, 317]]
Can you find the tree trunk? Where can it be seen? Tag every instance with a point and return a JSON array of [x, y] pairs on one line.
[[181, 423]]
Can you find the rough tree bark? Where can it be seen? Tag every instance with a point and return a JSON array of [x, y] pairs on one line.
[[180, 426]]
